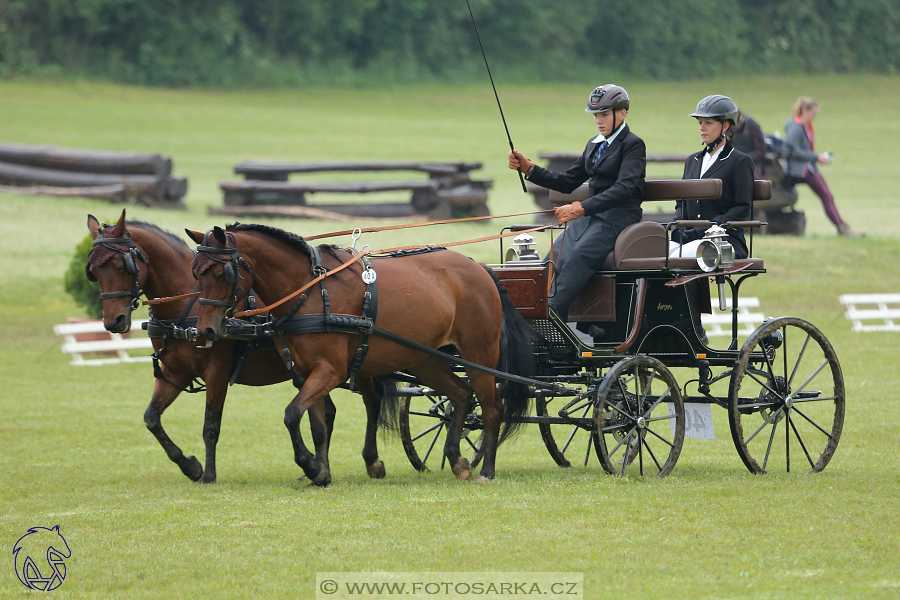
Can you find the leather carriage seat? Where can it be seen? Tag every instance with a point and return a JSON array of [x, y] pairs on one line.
[[643, 246]]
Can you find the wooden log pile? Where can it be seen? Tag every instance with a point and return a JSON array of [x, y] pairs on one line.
[[111, 176]]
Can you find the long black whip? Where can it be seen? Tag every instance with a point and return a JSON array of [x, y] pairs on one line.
[[483, 55]]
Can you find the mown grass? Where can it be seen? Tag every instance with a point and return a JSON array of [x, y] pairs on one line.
[[74, 450]]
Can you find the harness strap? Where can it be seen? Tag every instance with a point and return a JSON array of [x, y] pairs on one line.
[[370, 306]]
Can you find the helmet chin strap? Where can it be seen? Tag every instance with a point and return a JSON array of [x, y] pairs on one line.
[[710, 148]]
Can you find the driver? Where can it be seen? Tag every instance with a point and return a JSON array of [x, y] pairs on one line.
[[615, 162]]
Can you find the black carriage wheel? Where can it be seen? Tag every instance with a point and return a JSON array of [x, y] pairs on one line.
[[639, 419], [567, 443], [423, 430], [786, 399]]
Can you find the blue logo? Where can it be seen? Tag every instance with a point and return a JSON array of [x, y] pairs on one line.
[[39, 557]]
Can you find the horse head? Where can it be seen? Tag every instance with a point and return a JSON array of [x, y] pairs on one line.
[[114, 262], [220, 269]]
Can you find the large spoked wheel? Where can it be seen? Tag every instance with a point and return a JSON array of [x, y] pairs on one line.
[[423, 430], [568, 441], [639, 419], [786, 399]]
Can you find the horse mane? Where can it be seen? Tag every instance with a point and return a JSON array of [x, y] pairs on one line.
[[166, 235], [292, 239], [100, 254]]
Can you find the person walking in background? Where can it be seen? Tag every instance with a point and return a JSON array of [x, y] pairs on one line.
[[748, 138], [801, 164]]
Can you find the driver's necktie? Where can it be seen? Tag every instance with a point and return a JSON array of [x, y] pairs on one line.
[[600, 150]]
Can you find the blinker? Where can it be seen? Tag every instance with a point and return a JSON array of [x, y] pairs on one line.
[[230, 273]]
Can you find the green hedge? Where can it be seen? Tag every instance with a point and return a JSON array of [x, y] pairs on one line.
[[247, 42]]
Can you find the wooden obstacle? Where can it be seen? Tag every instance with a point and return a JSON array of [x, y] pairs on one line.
[[719, 322], [448, 191], [111, 176], [872, 307], [110, 343]]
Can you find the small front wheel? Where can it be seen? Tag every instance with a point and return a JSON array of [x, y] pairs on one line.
[[639, 419]]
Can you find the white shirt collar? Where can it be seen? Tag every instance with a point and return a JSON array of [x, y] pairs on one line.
[[610, 139], [709, 159]]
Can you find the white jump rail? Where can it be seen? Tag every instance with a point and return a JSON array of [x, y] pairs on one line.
[[719, 322], [116, 343], [877, 307]]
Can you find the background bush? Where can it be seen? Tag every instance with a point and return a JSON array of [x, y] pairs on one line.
[[295, 42], [86, 293]]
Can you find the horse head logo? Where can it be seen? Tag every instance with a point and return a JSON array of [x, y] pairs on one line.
[[39, 558]]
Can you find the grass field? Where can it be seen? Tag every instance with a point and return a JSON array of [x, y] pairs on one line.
[[74, 450]]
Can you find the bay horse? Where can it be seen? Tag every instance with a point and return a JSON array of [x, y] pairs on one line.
[[438, 299], [139, 256]]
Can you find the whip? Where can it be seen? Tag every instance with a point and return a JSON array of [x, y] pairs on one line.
[[483, 55]]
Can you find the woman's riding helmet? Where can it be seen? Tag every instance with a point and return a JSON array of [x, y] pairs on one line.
[[718, 107]]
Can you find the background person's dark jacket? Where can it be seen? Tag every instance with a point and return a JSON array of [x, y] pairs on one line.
[[735, 169], [749, 139]]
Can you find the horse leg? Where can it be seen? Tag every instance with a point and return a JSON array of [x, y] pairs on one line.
[[374, 467], [311, 398], [436, 374], [491, 415], [216, 390], [164, 394]]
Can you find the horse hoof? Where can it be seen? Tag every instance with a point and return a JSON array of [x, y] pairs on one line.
[[207, 478], [322, 479], [462, 470], [482, 479], [376, 470], [191, 467], [301, 478]]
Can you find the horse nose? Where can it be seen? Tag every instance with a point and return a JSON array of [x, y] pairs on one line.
[[210, 333], [120, 325]]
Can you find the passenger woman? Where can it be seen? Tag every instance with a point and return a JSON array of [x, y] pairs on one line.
[[716, 117], [614, 161]]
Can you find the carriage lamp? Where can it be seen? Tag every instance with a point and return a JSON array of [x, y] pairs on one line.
[[521, 249], [714, 252]]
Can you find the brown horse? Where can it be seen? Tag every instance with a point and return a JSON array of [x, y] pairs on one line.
[[139, 257], [437, 299]]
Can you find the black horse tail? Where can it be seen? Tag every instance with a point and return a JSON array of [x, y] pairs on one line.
[[517, 358], [387, 390]]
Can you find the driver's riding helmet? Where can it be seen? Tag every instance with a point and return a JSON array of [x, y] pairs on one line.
[[607, 97], [717, 107]]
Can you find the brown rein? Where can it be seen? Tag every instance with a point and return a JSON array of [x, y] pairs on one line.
[[355, 257], [411, 225]]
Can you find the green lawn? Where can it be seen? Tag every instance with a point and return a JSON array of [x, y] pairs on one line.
[[74, 450]]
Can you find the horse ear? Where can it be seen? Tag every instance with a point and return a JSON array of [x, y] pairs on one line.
[[194, 235], [219, 234], [119, 229], [93, 226]]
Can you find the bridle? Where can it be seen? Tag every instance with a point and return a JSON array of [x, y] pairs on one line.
[[130, 255], [231, 272]]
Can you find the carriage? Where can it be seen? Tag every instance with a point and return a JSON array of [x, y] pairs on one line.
[[638, 325], [606, 387]]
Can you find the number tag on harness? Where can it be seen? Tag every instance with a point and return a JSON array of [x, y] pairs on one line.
[[698, 421], [368, 276]]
